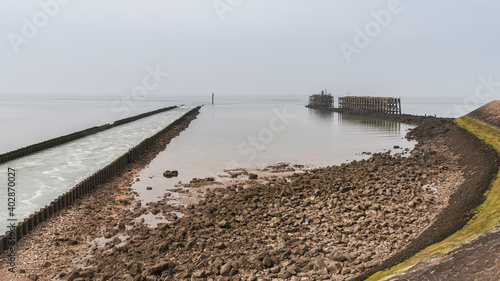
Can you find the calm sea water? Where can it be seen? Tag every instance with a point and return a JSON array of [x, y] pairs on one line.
[[238, 131], [28, 120]]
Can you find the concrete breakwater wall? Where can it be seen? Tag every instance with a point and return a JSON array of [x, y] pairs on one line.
[[90, 183], [24, 151]]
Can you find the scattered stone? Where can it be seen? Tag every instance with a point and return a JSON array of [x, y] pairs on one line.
[[71, 276], [116, 241], [198, 273], [135, 269], [226, 269], [170, 174], [267, 261]]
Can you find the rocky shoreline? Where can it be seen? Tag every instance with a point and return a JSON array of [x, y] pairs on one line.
[[332, 223]]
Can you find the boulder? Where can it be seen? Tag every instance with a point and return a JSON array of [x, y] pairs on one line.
[[170, 174], [226, 269]]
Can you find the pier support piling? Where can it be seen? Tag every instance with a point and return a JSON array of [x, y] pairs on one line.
[[386, 105]]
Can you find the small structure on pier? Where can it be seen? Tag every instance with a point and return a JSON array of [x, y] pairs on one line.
[[375, 104], [322, 100]]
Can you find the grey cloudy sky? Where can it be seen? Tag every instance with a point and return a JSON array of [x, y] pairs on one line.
[[248, 46]]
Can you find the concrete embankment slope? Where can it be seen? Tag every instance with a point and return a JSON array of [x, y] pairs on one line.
[[489, 114], [473, 252]]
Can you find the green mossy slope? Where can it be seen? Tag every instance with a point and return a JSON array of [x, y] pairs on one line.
[[487, 215]]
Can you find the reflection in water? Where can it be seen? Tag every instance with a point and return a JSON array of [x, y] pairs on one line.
[[386, 126], [322, 115]]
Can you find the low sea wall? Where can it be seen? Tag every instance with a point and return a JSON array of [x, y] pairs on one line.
[[24, 151], [90, 183], [472, 206]]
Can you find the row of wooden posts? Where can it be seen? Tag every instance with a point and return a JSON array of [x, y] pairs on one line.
[[71, 137], [374, 104], [87, 185]]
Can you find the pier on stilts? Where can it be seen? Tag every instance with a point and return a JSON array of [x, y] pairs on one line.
[[322, 100], [386, 105]]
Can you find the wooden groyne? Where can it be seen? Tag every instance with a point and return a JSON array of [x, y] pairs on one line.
[[24, 151], [90, 183], [374, 104]]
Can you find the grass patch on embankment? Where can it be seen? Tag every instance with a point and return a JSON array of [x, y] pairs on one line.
[[487, 215]]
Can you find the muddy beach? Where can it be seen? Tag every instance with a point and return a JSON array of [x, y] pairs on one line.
[[283, 223]]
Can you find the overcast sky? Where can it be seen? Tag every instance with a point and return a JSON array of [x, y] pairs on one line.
[[393, 48]]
